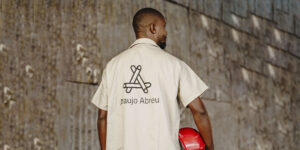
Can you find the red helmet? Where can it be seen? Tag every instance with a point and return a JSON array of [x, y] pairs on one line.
[[190, 139]]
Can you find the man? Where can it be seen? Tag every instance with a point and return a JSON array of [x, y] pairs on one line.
[[137, 96]]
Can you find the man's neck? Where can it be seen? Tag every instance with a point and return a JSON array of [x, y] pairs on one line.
[[142, 36]]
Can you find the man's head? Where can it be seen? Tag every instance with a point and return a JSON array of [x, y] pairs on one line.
[[150, 23]]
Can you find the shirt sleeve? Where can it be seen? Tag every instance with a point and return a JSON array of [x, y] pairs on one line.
[[190, 85], [100, 98]]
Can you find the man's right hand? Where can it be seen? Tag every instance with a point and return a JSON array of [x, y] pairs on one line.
[[101, 125]]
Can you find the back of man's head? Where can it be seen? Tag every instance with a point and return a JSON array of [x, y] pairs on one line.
[[150, 23], [142, 17]]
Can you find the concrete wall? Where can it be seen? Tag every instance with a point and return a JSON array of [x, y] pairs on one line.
[[52, 54]]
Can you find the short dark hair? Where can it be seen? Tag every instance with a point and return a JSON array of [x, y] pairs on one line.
[[140, 14]]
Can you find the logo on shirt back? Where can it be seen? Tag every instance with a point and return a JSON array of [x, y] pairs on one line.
[[136, 80]]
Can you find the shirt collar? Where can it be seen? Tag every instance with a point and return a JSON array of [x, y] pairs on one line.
[[143, 41]]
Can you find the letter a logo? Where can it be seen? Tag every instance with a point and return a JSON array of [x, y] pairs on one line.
[[136, 80]]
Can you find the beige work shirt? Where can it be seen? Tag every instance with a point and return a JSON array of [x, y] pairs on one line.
[[139, 89]]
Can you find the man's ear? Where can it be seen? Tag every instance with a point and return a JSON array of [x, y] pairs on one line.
[[152, 28]]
